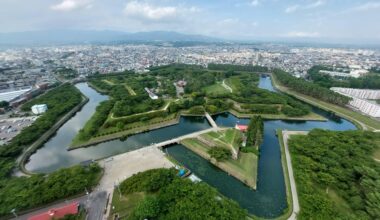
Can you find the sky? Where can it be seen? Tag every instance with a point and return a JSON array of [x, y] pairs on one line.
[[335, 20]]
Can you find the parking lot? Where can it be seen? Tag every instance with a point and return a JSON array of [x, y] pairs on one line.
[[11, 127]]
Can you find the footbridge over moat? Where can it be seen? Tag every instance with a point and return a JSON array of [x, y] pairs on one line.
[[179, 139]]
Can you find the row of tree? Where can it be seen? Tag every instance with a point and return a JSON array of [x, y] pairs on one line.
[[22, 193], [255, 132], [369, 81], [97, 120], [337, 177], [170, 197], [309, 88], [233, 67]]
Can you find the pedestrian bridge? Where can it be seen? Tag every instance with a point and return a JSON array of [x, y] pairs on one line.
[[179, 139]]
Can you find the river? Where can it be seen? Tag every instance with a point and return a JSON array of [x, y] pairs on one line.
[[269, 200]]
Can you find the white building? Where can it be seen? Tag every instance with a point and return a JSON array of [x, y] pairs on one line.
[[359, 100], [39, 109], [151, 94], [359, 93]]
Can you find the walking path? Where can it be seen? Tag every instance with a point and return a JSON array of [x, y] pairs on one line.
[[226, 86], [211, 120], [293, 188]]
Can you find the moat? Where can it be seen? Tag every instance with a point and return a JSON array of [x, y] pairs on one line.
[[269, 200]]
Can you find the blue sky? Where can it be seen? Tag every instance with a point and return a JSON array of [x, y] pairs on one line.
[[335, 20]]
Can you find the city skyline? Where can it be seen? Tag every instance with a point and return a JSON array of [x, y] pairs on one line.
[[302, 20]]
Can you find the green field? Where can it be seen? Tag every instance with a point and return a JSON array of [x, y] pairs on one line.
[[244, 168], [216, 89], [124, 205], [130, 90], [233, 82], [227, 138]]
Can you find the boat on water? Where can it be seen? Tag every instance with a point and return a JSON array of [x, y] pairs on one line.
[[183, 172]]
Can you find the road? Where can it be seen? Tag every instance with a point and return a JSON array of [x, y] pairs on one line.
[[226, 86], [96, 204], [81, 199], [293, 188]]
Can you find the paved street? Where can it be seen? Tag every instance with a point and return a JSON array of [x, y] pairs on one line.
[[81, 199], [293, 188], [96, 204]]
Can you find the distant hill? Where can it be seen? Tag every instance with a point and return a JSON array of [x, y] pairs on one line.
[[74, 36]]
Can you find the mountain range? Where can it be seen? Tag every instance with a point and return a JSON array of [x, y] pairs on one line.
[[78, 36]]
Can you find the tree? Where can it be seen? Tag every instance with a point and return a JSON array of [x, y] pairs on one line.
[[149, 208], [219, 153]]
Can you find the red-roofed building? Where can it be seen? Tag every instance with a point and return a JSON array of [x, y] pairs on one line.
[[242, 128], [57, 213]]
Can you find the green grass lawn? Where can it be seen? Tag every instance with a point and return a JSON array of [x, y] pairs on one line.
[[233, 82], [108, 82], [217, 89], [225, 139], [124, 206], [244, 168], [130, 90], [340, 203]]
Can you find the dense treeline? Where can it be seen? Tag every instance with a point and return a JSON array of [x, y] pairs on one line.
[[255, 132], [59, 101], [126, 104], [337, 177], [136, 104], [170, 197], [233, 67], [97, 120], [28, 192], [369, 81], [309, 88]]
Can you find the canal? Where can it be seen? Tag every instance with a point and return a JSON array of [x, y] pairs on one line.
[[269, 200]]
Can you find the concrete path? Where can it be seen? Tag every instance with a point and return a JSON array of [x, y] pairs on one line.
[[293, 188], [211, 120], [123, 166], [226, 86]]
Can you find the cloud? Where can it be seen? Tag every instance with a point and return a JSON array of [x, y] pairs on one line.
[[147, 11], [302, 34], [315, 4], [366, 6], [294, 8], [255, 3], [69, 5]]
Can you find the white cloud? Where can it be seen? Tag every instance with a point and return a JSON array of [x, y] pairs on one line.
[[150, 12], [367, 6], [69, 5], [255, 3], [292, 9], [315, 4], [302, 34]]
